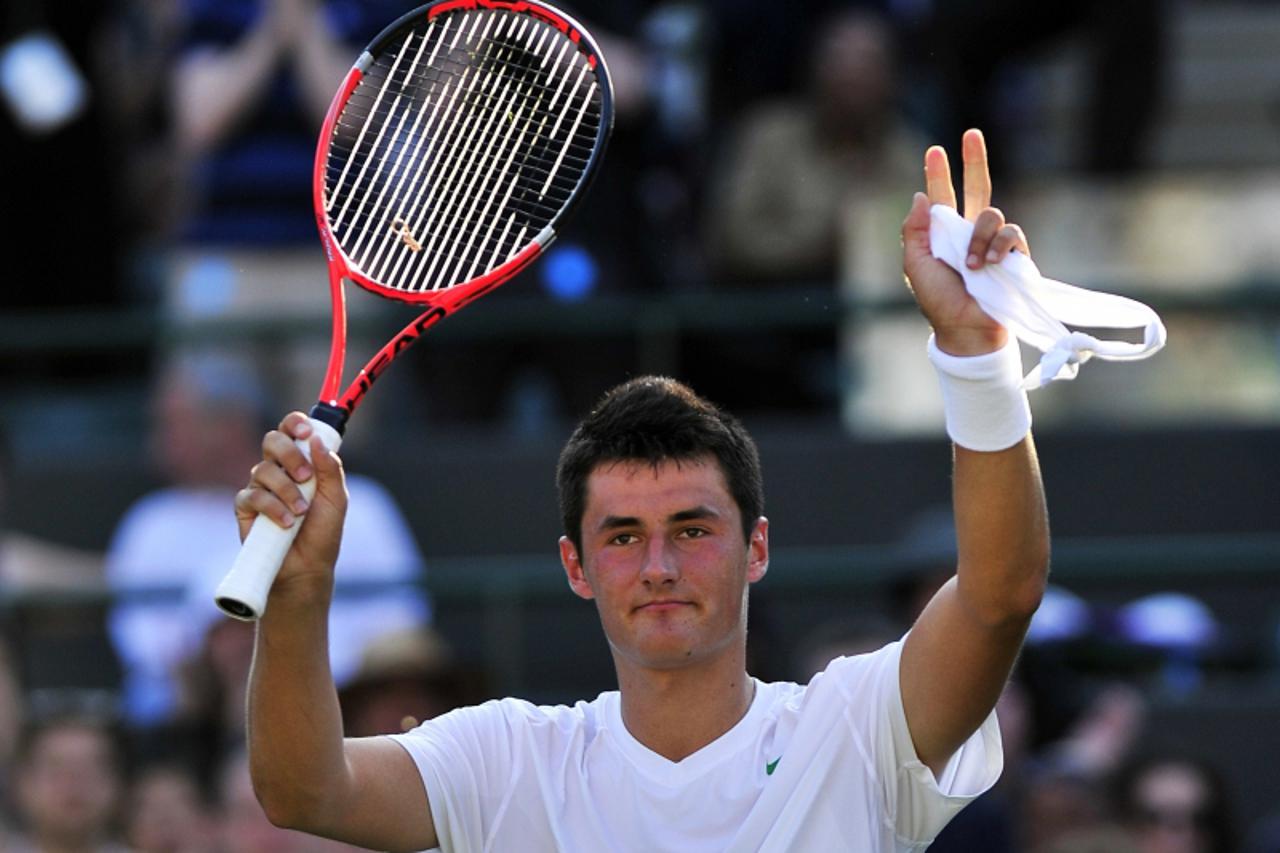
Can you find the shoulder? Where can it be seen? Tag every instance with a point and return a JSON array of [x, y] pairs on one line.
[[497, 731], [844, 678], [856, 680], [515, 715]]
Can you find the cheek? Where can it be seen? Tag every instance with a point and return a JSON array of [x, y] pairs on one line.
[[612, 566]]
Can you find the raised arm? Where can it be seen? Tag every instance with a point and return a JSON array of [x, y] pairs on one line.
[[363, 791], [958, 656], [214, 90]]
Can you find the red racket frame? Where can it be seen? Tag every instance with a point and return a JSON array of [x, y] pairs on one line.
[[335, 406]]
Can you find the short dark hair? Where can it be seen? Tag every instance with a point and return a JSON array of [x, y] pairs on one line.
[[655, 419]]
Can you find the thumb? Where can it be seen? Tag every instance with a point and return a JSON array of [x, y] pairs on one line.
[[915, 228], [330, 480]]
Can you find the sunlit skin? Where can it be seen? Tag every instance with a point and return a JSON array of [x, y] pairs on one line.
[[665, 560]]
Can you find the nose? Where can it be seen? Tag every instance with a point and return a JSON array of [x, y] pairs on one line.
[[660, 563]]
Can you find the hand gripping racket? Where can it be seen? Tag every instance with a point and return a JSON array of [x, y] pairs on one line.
[[452, 152]]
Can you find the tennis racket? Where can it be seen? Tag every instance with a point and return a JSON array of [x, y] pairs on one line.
[[454, 149]]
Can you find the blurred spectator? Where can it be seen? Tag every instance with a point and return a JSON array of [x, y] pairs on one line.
[[972, 49], [777, 203], [1174, 804], [1059, 805], [173, 546], [252, 82], [167, 812], [68, 784], [212, 688], [31, 563], [1092, 839], [405, 678], [10, 723], [775, 211]]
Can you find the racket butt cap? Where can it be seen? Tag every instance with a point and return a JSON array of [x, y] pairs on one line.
[[236, 609]]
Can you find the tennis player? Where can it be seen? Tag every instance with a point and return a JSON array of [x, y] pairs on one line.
[[662, 498]]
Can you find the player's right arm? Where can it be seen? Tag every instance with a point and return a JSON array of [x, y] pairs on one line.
[[364, 791]]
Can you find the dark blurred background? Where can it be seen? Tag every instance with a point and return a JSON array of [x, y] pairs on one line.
[[165, 303]]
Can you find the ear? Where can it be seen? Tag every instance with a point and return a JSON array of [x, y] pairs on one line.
[[573, 569], [758, 550]]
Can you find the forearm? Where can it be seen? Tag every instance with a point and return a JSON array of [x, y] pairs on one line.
[[296, 753], [1002, 533]]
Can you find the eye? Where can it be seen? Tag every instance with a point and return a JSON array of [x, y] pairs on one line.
[[624, 539], [693, 533]]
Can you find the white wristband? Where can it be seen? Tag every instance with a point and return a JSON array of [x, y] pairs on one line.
[[982, 396]]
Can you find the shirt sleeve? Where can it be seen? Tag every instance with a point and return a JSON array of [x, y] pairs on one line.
[[916, 804], [466, 761]]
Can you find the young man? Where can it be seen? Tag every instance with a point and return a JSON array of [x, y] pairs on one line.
[[661, 499]]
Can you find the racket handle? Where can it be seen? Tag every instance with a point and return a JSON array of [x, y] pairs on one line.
[[243, 592]]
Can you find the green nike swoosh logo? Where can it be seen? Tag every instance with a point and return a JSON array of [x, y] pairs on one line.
[[768, 768]]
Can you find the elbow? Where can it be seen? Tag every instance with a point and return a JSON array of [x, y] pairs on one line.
[[288, 809], [1025, 595], [1008, 600], [279, 810]]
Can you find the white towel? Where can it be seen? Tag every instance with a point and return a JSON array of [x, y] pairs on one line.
[[1035, 308]]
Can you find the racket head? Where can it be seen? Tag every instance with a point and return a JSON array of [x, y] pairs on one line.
[[462, 138]]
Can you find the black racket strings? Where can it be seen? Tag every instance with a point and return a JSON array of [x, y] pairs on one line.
[[424, 194]]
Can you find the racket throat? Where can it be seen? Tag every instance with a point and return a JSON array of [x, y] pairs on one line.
[[334, 416]]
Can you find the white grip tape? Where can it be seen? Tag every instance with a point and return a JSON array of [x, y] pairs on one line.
[[982, 396], [243, 592]]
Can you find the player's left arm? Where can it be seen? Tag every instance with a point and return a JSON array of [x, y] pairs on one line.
[[959, 654]]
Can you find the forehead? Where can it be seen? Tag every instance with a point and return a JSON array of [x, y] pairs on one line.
[[629, 486]]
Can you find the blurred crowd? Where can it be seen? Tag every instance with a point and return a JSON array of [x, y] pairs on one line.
[[171, 145], [162, 159]]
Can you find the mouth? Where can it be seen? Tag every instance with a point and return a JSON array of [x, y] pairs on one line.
[[664, 606]]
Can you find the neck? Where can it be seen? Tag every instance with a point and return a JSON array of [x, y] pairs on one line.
[[675, 713]]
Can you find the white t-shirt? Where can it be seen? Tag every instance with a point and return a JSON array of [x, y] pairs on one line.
[[828, 766]]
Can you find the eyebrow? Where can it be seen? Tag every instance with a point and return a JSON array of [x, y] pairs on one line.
[[612, 522]]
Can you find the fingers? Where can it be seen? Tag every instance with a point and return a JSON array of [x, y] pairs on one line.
[[937, 177], [268, 496], [993, 239], [977, 174], [273, 483], [985, 226], [1007, 239]]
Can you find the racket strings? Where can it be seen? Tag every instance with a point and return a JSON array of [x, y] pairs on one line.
[[583, 148], [455, 180], [433, 177], [455, 249], [459, 173], [417, 223]]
